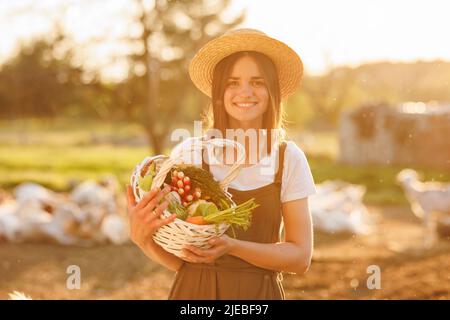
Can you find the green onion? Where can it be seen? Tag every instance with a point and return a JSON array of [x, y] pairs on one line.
[[239, 216]]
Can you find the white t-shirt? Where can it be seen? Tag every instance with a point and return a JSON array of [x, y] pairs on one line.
[[297, 180]]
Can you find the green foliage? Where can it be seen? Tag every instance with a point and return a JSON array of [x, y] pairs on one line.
[[379, 180], [58, 162], [35, 83], [344, 88]]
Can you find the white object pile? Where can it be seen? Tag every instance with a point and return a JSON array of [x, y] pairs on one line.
[[89, 215], [337, 208]]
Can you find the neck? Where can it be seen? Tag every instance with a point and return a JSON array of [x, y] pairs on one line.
[[245, 125], [252, 155]]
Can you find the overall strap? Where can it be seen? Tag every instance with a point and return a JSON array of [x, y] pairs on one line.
[[205, 166], [279, 174]]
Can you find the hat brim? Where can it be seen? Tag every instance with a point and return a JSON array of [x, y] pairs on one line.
[[287, 62]]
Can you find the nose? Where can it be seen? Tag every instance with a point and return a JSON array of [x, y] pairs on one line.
[[246, 90]]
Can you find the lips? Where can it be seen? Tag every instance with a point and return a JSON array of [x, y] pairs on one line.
[[245, 104]]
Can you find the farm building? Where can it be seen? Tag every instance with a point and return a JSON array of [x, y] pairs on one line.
[[412, 133]]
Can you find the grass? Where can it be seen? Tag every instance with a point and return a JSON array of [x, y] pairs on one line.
[[55, 153], [380, 181], [55, 167], [64, 132]]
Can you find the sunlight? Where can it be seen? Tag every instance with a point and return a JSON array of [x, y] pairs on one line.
[[325, 33]]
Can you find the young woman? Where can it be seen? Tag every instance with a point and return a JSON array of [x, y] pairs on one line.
[[247, 74]]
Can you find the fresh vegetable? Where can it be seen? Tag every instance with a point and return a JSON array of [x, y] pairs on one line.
[[182, 185], [240, 215], [175, 205], [197, 220], [148, 168], [205, 209], [203, 201], [147, 173], [202, 185], [192, 209], [145, 183]]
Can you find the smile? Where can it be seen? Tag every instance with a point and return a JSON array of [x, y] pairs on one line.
[[245, 105]]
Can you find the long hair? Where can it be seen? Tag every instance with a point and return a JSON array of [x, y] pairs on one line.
[[216, 116]]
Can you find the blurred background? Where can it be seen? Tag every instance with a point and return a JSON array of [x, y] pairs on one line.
[[89, 88]]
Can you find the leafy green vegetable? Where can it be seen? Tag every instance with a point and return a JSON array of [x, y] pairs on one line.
[[205, 209], [175, 205], [145, 183]]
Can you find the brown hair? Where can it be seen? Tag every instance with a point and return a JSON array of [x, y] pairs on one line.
[[217, 117]]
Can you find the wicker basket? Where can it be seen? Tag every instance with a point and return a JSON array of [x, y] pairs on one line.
[[174, 236]]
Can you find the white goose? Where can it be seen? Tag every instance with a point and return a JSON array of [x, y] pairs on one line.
[[429, 201], [337, 207]]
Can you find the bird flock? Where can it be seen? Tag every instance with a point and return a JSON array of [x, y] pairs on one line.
[[95, 212], [92, 213]]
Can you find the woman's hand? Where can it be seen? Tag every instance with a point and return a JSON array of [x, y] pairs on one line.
[[145, 215], [220, 246]]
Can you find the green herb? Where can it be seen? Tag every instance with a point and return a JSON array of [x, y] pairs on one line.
[[240, 215]]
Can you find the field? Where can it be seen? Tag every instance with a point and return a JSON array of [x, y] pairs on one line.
[[56, 153], [338, 271], [67, 151]]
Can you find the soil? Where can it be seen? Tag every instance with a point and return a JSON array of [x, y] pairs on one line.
[[339, 269]]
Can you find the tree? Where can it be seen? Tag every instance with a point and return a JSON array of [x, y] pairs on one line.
[[171, 33], [36, 83], [329, 95]]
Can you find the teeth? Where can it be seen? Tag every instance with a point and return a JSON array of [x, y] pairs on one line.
[[245, 105]]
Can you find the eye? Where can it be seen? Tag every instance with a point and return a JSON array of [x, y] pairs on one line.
[[258, 83], [232, 83]]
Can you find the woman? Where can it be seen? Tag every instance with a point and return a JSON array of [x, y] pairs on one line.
[[247, 74]]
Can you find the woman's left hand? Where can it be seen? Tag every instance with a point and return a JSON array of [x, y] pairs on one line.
[[220, 246]]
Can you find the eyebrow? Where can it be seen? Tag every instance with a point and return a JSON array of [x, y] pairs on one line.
[[237, 78]]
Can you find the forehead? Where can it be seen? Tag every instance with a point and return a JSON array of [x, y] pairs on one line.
[[245, 67]]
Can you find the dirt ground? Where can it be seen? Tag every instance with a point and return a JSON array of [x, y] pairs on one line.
[[338, 270]]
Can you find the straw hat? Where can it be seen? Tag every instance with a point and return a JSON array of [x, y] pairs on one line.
[[287, 62]]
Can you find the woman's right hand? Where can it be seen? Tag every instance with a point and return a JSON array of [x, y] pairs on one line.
[[145, 215]]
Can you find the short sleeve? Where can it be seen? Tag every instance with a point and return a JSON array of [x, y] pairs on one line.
[[297, 181]]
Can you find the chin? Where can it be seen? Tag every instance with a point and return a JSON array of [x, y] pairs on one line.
[[246, 116], [249, 118]]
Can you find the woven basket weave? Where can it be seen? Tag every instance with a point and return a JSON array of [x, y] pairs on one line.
[[177, 234]]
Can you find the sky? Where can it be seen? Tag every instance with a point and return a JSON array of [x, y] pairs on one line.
[[351, 32], [325, 33]]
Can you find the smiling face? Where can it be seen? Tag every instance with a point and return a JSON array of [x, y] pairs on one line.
[[246, 96]]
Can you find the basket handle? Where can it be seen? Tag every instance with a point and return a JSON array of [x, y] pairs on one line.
[[159, 178]]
